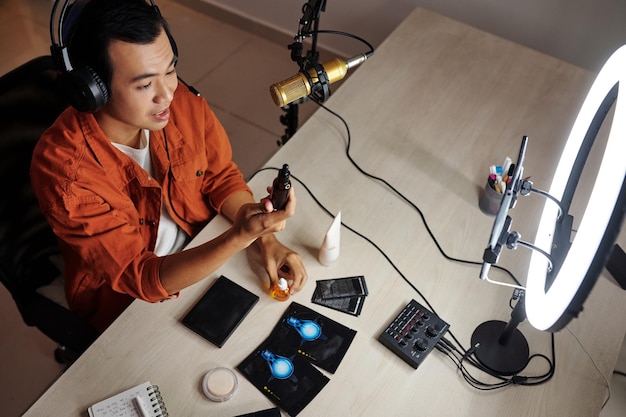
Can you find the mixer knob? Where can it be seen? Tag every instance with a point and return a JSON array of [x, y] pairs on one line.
[[433, 330], [420, 344]]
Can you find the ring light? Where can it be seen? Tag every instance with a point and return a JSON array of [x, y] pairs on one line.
[[562, 271], [551, 307]]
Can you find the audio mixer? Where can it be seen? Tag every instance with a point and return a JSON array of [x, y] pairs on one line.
[[413, 334]]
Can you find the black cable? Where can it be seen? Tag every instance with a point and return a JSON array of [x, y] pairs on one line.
[[409, 202], [349, 35], [536, 380], [368, 240], [542, 379], [340, 33], [464, 356], [458, 358], [451, 351]]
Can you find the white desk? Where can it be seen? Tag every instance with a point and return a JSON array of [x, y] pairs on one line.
[[436, 105]]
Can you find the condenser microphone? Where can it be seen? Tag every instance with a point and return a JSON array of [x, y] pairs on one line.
[[301, 84]]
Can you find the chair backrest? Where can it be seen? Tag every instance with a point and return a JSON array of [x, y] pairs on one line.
[[29, 103]]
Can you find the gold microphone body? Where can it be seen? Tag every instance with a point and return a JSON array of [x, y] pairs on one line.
[[298, 86]]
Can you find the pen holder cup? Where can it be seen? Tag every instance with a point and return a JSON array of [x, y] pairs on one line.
[[490, 200]]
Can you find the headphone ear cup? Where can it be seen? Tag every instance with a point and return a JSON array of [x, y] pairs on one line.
[[85, 89]]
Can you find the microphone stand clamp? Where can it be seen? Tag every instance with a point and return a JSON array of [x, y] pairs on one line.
[[309, 26]]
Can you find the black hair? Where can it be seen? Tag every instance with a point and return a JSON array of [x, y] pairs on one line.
[[103, 21]]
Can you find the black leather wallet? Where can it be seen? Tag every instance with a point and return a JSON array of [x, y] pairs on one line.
[[220, 310]]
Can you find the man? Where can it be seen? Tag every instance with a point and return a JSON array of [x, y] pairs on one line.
[[126, 187]]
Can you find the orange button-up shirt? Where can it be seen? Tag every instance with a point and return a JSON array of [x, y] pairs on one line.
[[105, 209]]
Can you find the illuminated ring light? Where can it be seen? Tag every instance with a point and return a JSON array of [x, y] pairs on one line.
[[552, 308]]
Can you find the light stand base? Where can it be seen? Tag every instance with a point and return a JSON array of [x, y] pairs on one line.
[[504, 359]]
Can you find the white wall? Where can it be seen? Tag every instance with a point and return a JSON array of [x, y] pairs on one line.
[[583, 32]]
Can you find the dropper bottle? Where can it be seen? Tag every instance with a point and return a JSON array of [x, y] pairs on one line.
[[280, 290], [280, 188]]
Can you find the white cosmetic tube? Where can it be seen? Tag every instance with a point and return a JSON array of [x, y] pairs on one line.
[[329, 251]]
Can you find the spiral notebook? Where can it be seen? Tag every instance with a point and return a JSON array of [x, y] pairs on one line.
[[143, 400]]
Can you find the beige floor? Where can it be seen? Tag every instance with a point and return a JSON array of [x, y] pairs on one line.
[[232, 69]]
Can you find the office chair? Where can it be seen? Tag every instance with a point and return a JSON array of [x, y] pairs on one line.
[[29, 103]]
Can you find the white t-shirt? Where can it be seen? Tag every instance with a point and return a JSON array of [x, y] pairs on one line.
[[170, 237]]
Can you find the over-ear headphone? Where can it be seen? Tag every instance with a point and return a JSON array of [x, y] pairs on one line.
[[85, 89]]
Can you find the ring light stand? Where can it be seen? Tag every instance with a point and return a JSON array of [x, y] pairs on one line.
[[501, 347], [561, 273]]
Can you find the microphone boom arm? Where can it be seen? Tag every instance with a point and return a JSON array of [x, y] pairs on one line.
[[311, 17], [314, 78]]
